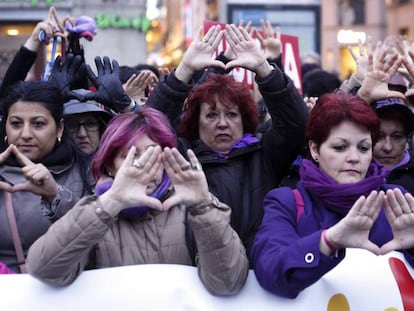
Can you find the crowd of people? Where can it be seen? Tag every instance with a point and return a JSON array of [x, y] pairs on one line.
[[130, 165]]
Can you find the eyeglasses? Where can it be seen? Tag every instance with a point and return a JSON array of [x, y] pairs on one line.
[[89, 125]]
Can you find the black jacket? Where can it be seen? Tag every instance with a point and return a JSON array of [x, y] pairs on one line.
[[18, 68], [403, 175]]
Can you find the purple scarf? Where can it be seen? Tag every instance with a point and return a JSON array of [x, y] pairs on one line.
[[246, 140], [339, 198], [137, 211]]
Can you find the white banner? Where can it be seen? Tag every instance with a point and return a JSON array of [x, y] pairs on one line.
[[362, 281]]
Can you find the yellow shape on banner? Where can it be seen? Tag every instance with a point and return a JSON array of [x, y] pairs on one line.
[[338, 302]]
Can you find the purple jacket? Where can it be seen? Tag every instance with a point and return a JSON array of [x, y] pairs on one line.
[[285, 254]]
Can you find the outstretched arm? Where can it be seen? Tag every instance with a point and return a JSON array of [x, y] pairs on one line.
[[361, 62]]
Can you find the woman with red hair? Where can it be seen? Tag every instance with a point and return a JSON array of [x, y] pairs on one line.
[[345, 202], [218, 117]]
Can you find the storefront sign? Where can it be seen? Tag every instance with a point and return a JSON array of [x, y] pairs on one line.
[[114, 21], [32, 2]]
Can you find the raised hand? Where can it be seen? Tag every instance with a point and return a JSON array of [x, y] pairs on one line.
[[408, 61], [199, 54], [42, 33], [310, 102], [270, 41], [248, 53], [353, 230], [131, 180], [361, 59], [136, 84], [45, 30], [109, 91], [228, 53], [379, 73], [399, 210], [65, 73], [39, 179], [187, 177]]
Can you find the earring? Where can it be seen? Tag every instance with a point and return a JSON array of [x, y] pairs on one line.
[[110, 174], [316, 159], [59, 139], [5, 139]]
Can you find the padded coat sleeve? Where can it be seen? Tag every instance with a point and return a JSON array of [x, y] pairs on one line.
[[222, 261], [286, 263], [61, 254]]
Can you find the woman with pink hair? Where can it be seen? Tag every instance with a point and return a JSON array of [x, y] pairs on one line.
[[151, 206]]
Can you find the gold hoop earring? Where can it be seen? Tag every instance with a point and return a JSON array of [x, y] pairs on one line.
[[5, 139]]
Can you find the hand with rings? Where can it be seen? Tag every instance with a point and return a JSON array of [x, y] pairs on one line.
[[136, 164], [399, 210], [194, 166], [129, 187], [187, 177], [353, 230]]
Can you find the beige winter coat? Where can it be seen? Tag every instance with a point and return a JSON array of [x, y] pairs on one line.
[[63, 252]]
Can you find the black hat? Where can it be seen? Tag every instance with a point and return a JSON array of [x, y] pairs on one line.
[[392, 104], [76, 106]]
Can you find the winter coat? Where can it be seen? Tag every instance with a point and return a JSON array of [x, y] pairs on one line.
[[33, 214], [403, 175], [18, 68], [88, 237], [286, 254]]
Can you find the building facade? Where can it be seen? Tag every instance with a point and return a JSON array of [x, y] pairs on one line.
[[345, 21], [122, 27], [158, 31]]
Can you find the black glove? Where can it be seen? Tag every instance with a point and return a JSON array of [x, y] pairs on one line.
[[109, 91], [66, 73]]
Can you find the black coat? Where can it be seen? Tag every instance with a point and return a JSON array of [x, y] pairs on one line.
[[403, 175], [18, 68]]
